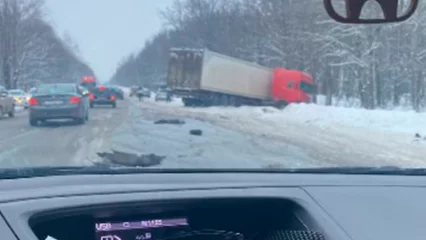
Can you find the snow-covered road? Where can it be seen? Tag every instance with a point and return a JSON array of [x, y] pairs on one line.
[[333, 136], [218, 147]]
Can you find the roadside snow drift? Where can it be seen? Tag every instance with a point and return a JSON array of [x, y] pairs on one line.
[[408, 122], [331, 135]]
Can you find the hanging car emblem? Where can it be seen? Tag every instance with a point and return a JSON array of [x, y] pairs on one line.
[[389, 9]]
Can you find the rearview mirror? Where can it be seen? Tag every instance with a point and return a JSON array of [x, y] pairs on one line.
[[353, 9]]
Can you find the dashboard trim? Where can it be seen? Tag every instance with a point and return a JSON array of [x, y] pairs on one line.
[[18, 213]]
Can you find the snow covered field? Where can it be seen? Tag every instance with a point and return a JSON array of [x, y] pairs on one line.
[[333, 135]]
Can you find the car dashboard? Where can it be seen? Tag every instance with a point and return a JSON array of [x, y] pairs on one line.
[[253, 206]]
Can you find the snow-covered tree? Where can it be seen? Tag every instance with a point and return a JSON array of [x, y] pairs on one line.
[[380, 65]]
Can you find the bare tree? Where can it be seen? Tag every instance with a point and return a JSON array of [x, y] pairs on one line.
[[30, 49]]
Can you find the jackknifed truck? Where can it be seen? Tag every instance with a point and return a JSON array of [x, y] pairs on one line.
[[205, 78]]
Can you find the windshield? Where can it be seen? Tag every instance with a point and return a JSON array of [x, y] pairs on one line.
[[213, 84], [307, 87], [98, 91]]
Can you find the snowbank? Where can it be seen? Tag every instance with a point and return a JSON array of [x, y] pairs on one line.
[[333, 135], [404, 103], [398, 121], [392, 121]]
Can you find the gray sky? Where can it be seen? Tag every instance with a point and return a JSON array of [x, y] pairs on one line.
[[106, 30]]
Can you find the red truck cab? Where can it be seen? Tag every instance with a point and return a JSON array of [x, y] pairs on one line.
[[292, 86]]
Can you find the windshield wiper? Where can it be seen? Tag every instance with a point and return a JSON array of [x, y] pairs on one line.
[[30, 172]]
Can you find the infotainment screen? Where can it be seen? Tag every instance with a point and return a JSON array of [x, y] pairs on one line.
[[154, 229]]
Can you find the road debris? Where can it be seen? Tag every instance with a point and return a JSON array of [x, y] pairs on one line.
[[170, 121], [131, 159], [196, 132]]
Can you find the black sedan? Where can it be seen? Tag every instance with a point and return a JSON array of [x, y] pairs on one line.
[[59, 101], [103, 96]]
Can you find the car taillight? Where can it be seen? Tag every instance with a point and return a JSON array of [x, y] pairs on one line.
[[74, 100], [113, 98], [92, 96], [33, 101]]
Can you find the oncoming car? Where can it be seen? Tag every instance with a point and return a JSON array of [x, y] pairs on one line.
[[59, 101], [20, 97], [103, 96]]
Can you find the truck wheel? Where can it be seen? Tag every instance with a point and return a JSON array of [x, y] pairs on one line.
[[281, 104]]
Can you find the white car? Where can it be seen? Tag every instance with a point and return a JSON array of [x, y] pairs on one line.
[[7, 104]]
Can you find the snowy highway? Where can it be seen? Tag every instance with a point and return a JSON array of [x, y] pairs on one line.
[[130, 127], [231, 138], [59, 143]]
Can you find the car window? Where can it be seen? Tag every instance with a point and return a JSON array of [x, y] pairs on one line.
[[16, 93], [56, 88], [98, 91], [307, 87]]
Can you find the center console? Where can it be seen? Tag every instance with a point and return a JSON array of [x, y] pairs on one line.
[[140, 229], [207, 219]]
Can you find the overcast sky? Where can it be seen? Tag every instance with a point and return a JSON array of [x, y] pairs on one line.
[[106, 30]]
